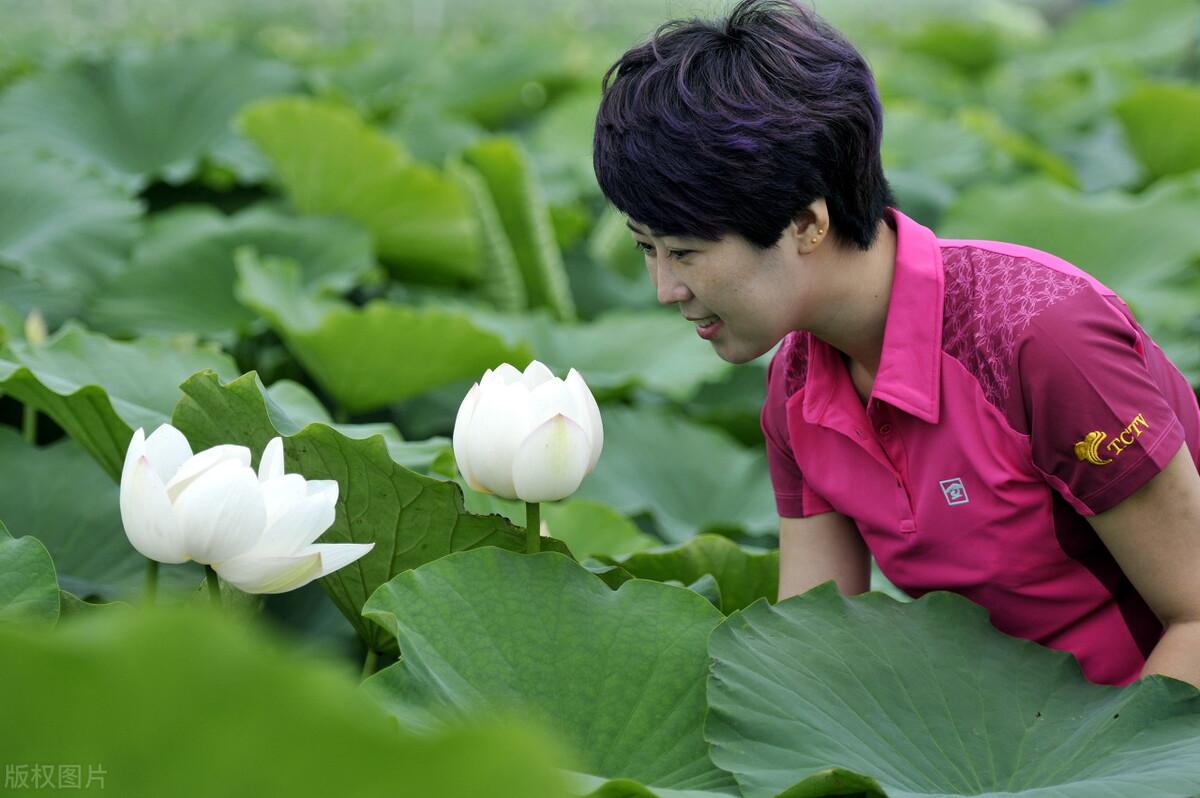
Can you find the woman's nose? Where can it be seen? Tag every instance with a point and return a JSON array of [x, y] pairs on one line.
[[671, 290]]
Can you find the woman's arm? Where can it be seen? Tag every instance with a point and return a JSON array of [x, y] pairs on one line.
[[819, 548], [1154, 535]]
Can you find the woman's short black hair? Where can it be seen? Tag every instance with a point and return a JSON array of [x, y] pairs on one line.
[[738, 124]]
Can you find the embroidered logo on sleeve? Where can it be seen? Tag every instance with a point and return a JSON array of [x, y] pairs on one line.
[[1088, 449], [954, 490]]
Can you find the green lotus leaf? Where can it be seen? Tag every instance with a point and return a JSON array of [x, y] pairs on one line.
[[928, 699], [28, 586], [329, 161], [502, 283], [366, 358], [116, 692], [92, 557], [590, 528], [1162, 123], [513, 77], [141, 114], [744, 575], [521, 203], [690, 478], [182, 276], [99, 390], [412, 519], [63, 232], [293, 407], [617, 674]]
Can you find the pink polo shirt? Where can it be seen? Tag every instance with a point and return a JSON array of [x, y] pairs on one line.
[[1015, 395]]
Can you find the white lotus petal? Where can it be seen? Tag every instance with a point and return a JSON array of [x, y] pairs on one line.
[[270, 465], [270, 574], [549, 400], [281, 493], [551, 462], [298, 526], [495, 432], [328, 488], [461, 423], [504, 374], [339, 555], [167, 450], [136, 449], [147, 515], [200, 463], [595, 424], [535, 374], [221, 513]]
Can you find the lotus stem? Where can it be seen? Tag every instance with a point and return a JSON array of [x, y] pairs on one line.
[[214, 585], [29, 425], [151, 586], [533, 527], [369, 662]]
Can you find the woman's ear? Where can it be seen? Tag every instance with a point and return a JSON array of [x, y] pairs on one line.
[[811, 226]]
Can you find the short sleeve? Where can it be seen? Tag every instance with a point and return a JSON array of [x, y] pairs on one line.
[[793, 497], [1100, 425]]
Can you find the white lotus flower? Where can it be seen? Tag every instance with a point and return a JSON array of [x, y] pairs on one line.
[[528, 436], [255, 530]]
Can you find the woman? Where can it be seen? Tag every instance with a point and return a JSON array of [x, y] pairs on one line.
[[981, 417]]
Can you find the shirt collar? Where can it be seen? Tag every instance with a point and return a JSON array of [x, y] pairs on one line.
[[910, 366]]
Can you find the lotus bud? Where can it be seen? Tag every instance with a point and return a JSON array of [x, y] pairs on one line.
[[527, 435]]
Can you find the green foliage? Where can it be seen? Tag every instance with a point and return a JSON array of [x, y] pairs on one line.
[[372, 356], [822, 680], [99, 390], [148, 701], [28, 587], [617, 674], [182, 275], [330, 161], [141, 114]]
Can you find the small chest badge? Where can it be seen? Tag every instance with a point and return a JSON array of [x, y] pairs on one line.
[[955, 491]]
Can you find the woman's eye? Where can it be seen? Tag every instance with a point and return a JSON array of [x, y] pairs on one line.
[[674, 253]]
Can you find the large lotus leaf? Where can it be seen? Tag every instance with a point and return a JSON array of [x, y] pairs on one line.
[[62, 229], [502, 283], [141, 114], [412, 519], [690, 478], [591, 529], [618, 674], [1162, 123], [513, 76], [59, 495], [743, 574], [28, 587], [656, 350], [928, 699], [1149, 33], [177, 701], [1091, 231], [330, 161], [293, 407], [182, 276], [519, 198], [561, 143], [366, 358], [99, 390]]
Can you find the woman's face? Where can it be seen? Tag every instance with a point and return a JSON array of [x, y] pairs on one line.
[[759, 295]]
